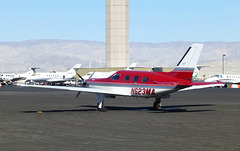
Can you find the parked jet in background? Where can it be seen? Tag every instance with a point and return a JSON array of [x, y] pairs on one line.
[[225, 78], [10, 78], [54, 77], [145, 84]]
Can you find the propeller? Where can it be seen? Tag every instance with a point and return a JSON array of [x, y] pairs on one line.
[[83, 82]]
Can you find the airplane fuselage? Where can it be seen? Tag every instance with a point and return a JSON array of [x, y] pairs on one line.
[[51, 77], [224, 78], [139, 83], [12, 77]]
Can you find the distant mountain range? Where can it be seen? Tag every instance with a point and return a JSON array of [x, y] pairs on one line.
[[60, 55]]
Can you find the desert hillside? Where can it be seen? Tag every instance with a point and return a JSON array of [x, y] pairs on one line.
[[59, 55]]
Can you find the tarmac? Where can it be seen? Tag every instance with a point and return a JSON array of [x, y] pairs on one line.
[[33, 119]]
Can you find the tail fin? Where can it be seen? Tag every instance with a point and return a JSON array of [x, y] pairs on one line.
[[74, 69], [131, 67], [197, 70], [190, 58], [31, 71], [187, 64]]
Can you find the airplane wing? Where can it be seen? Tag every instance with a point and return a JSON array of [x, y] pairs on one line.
[[231, 81], [201, 85], [125, 91], [236, 82], [88, 89], [16, 79]]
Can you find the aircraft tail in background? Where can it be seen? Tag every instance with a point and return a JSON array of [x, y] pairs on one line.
[[74, 69]]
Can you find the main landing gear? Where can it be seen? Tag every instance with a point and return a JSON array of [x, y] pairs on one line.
[[100, 104], [157, 104]]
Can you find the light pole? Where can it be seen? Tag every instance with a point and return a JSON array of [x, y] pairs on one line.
[[223, 63]]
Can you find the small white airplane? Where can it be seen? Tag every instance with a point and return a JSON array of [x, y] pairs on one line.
[[105, 74], [144, 84], [10, 78], [54, 77], [225, 78]]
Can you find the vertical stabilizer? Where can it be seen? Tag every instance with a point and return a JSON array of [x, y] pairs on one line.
[[132, 66], [190, 58], [74, 69], [187, 64], [31, 72]]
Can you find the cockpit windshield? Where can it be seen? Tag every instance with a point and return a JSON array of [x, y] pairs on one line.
[[115, 76]]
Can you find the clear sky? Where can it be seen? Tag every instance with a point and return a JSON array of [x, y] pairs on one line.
[[150, 20]]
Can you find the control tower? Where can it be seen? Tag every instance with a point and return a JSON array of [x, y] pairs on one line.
[[117, 33]]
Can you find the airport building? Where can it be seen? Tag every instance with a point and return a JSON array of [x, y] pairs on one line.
[[117, 33]]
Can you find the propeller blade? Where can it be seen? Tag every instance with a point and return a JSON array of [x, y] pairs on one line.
[[80, 77], [83, 82], [91, 74]]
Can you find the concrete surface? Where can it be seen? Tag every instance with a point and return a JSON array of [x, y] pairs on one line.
[[34, 119]]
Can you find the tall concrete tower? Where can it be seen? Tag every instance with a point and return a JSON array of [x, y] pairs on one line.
[[117, 33]]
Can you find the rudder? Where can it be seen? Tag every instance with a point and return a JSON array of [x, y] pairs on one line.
[[185, 67]]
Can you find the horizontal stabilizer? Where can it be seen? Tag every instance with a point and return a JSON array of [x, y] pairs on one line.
[[202, 85]]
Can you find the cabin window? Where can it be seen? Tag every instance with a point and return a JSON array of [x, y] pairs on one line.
[[127, 77], [145, 79], [135, 78], [116, 77]]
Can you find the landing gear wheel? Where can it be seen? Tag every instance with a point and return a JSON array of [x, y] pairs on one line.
[[157, 104], [102, 109], [100, 104]]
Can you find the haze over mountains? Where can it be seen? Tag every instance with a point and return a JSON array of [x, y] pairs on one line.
[[58, 55]]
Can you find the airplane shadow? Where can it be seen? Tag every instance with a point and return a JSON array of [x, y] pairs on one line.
[[169, 110], [165, 109], [176, 108]]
